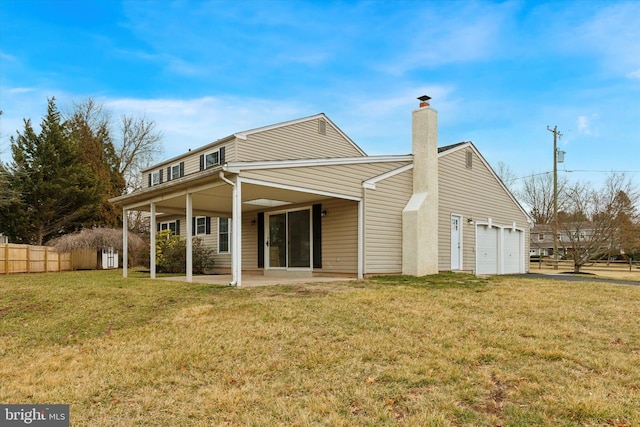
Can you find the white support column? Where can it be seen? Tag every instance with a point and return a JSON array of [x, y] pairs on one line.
[[360, 240], [234, 271], [152, 241], [189, 238], [125, 241], [237, 231]]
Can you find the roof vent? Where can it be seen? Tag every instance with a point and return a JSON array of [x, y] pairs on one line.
[[424, 100]]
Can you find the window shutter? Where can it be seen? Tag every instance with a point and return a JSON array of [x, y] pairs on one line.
[[221, 156], [150, 180], [260, 239], [158, 225], [177, 227], [193, 225], [181, 169], [201, 161], [316, 215], [169, 177], [160, 176], [207, 225]]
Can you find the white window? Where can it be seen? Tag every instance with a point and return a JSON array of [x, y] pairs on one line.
[[174, 172], [224, 235], [201, 225], [171, 225], [155, 178], [212, 159], [541, 236]]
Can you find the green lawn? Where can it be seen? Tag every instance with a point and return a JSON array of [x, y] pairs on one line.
[[447, 350]]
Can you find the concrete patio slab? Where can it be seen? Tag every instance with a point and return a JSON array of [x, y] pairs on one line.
[[250, 281]]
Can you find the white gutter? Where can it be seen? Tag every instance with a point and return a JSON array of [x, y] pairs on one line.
[[234, 279]]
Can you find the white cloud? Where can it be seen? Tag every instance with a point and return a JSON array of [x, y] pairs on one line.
[[585, 125], [634, 74], [191, 123], [456, 32], [21, 90], [614, 33]]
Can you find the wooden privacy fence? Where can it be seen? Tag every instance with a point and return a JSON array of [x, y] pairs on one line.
[[33, 259]]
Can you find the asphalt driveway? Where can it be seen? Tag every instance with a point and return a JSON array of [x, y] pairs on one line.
[[577, 278]]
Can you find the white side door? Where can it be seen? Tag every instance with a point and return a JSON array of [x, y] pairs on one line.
[[456, 242]]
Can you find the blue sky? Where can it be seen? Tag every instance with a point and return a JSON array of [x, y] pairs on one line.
[[499, 73]]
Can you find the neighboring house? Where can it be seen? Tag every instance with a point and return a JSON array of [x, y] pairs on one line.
[[569, 236], [301, 198], [542, 241]]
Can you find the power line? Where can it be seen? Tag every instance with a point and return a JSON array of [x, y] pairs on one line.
[[571, 171]]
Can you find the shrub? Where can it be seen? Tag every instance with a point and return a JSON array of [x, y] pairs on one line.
[[171, 254]]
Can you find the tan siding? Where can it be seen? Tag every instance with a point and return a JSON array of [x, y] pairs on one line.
[[383, 223], [344, 179], [295, 141], [340, 236], [191, 161], [249, 241], [210, 240], [473, 193]]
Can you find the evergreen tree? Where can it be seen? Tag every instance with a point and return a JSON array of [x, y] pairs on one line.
[[58, 192], [90, 130]]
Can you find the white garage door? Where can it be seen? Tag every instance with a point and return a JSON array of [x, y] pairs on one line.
[[486, 250], [512, 251]]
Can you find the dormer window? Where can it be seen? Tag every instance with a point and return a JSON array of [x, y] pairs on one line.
[[212, 159], [175, 171], [155, 178]]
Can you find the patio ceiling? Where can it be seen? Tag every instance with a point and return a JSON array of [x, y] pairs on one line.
[[216, 199]]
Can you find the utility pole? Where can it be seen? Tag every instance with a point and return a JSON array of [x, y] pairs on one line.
[[556, 135]]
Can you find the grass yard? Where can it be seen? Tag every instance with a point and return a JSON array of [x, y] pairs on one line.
[[447, 350]]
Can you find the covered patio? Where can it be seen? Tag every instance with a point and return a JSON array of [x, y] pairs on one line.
[[222, 192], [253, 281]]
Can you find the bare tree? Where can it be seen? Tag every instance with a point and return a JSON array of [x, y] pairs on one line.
[[589, 224], [7, 195], [507, 175], [537, 194], [138, 148], [93, 113], [137, 142], [95, 239]]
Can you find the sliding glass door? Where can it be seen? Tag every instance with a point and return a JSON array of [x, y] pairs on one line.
[[289, 239]]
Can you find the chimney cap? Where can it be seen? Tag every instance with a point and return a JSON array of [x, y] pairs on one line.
[[424, 98]]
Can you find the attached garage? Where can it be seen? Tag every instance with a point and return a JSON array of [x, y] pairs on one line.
[[499, 250], [486, 250], [512, 261]]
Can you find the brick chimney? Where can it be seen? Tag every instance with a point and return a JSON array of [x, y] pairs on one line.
[[420, 215]]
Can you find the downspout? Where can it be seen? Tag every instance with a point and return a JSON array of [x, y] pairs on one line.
[[234, 278]]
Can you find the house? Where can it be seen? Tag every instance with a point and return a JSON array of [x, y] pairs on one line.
[[542, 241], [301, 198], [574, 236]]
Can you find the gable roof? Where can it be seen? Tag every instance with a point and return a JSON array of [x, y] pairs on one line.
[[448, 149], [242, 135], [452, 146]]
